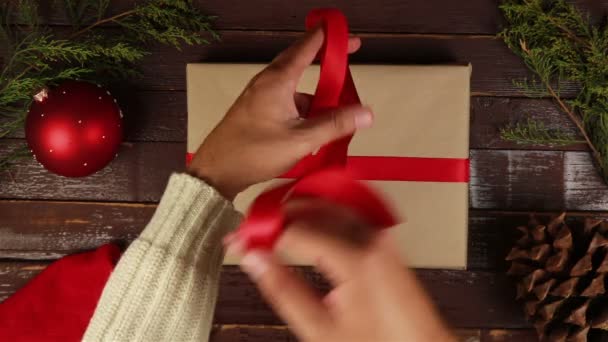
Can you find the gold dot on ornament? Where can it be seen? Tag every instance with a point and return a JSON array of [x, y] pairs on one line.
[[63, 92], [42, 115], [103, 137], [79, 121], [100, 97], [51, 150], [85, 164]]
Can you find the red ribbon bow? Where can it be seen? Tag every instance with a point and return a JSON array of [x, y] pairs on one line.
[[322, 175]]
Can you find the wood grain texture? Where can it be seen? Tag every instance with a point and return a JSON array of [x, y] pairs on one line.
[[161, 116], [490, 114], [431, 16], [467, 299], [494, 66], [281, 333], [138, 174], [527, 335], [500, 179], [506, 335], [476, 16], [53, 229], [535, 180], [251, 333], [13, 275], [493, 233]]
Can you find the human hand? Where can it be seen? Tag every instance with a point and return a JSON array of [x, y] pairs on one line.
[[374, 297], [262, 135]]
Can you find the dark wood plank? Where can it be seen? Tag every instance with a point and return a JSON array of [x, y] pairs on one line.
[[432, 16], [48, 229], [138, 174], [476, 16], [489, 114], [493, 233], [162, 115], [527, 335], [154, 116], [159, 116], [535, 180], [512, 335], [251, 333], [13, 275], [494, 66], [281, 333], [500, 179], [466, 299]]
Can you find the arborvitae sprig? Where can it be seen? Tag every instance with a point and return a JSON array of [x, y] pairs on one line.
[[35, 57], [156, 21], [559, 45], [531, 132]]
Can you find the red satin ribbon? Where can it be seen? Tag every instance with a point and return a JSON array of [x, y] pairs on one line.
[[405, 169], [324, 176]]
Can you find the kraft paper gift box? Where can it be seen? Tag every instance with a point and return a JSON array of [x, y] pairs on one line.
[[420, 111]]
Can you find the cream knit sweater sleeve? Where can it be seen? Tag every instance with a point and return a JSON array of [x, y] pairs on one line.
[[165, 285]]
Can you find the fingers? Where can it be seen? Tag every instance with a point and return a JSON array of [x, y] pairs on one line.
[[298, 304], [334, 124], [354, 44], [300, 54], [330, 219], [334, 256], [295, 59]]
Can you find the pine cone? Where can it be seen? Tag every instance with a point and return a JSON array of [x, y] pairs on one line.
[[561, 275]]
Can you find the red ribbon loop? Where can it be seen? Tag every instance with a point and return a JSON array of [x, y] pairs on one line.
[[323, 174], [335, 87], [333, 57]]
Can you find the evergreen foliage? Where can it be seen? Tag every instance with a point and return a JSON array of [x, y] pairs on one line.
[[560, 46], [532, 132], [34, 56]]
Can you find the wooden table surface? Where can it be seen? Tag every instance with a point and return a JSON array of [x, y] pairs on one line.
[[43, 216]]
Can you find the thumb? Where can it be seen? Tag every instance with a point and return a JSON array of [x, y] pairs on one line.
[[336, 123], [292, 298]]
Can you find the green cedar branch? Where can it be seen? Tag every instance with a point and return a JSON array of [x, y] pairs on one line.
[[36, 57], [531, 132], [558, 44]]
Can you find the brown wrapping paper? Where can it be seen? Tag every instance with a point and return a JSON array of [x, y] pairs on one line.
[[421, 111]]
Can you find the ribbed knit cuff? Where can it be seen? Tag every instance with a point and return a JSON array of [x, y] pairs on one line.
[[165, 285], [187, 210]]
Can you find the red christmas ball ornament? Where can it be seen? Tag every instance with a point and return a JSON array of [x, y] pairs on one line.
[[74, 129]]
